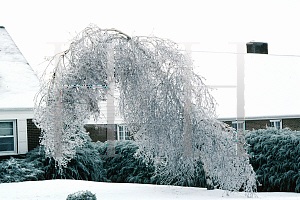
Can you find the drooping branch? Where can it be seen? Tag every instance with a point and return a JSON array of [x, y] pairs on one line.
[[151, 74]]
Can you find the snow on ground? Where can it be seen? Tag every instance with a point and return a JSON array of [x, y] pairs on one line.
[[59, 189]]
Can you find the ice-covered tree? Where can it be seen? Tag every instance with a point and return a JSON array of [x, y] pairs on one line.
[[164, 103]]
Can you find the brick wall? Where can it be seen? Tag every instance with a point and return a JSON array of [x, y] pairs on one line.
[[229, 123], [98, 132], [253, 124], [256, 124], [33, 135], [293, 124]]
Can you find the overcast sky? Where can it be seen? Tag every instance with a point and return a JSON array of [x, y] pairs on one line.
[[33, 25]]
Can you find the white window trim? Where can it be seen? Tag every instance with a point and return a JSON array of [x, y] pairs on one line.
[[238, 122], [118, 131], [15, 138], [277, 120]]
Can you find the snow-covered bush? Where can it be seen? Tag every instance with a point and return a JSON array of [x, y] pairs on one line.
[[18, 170], [126, 169], [82, 195], [129, 169], [86, 165], [276, 158]]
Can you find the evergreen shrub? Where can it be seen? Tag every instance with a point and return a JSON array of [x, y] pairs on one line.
[[86, 165], [275, 159], [125, 169], [18, 170], [82, 195], [128, 169]]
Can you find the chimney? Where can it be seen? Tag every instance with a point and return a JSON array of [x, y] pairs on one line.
[[257, 47]]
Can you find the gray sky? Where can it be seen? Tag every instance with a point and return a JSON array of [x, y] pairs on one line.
[[33, 24], [211, 23]]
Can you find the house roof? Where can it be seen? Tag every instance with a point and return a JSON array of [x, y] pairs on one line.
[[272, 86], [18, 81]]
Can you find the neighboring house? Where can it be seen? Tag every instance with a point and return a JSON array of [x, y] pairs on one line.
[[262, 122], [98, 128], [18, 86], [272, 94]]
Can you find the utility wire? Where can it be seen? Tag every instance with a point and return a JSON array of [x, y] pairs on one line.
[[223, 52]]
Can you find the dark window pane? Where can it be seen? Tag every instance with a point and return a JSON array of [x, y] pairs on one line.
[[6, 131], [7, 144], [121, 135], [234, 125], [6, 125], [127, 135], [241, 125], [278, 125]]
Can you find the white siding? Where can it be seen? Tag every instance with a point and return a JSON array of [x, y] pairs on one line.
[[22, 136]]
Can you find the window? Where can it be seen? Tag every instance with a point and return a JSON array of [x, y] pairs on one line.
[[276, 123], [7, 136], [238, 125], [123, 133]]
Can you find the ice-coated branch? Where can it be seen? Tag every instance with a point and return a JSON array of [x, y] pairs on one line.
[[163, 102]]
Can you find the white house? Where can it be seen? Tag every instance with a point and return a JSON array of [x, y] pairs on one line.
[[272, 95], [98, 128], [18, 86], [271, 92]]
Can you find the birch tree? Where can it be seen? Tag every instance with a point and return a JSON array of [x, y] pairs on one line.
[[164, 103]]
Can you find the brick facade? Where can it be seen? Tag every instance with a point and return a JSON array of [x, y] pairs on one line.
[[33, 135], [228, 122], [98, 132], [293, 124], [256, 124]]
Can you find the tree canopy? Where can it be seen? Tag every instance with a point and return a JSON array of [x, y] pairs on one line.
[[166, 106]]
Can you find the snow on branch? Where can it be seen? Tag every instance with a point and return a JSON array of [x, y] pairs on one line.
[[165, 104]]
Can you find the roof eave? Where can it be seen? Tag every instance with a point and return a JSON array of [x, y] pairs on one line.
[[270, 117]]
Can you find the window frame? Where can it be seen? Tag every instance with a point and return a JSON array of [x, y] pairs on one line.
[[274, 121], [14, 136], [238, 123], [125, 129]]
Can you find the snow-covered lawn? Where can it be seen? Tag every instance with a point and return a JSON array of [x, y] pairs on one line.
[[59, 189]]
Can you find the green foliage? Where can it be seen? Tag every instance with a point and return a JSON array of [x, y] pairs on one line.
[[276, 158], [82, 195], [17, 170], [129, 169], [86, 165]]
